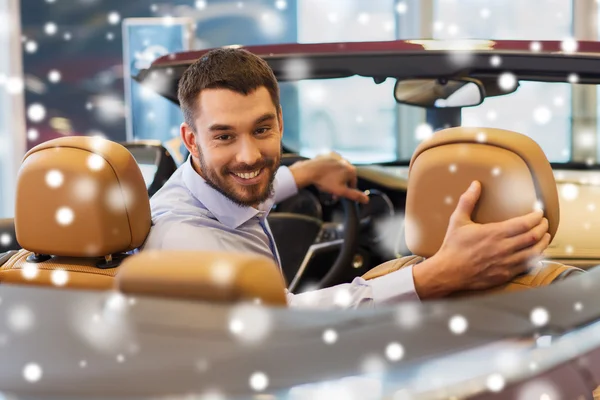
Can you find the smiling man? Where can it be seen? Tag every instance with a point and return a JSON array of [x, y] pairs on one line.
[[219, 199]]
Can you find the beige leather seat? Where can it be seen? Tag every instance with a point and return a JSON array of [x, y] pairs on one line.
[[515, 176], [81, 203], [214, 277]]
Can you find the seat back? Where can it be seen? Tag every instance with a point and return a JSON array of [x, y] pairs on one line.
[[515, 176], [514, 172], [81, 205]]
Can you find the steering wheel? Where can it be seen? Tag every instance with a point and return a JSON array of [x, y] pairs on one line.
[[311, 237]]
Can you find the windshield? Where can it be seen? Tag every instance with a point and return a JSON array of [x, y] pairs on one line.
[[361, 120]]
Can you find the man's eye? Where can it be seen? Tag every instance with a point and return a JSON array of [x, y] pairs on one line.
[[223, 137], [260, 131]]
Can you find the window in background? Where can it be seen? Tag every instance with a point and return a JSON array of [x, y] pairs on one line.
[[353, 116], [539, 110], [215, 24]]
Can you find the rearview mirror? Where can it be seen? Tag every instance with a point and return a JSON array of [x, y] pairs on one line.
[[439, 93]]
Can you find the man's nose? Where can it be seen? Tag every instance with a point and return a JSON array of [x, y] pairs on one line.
[[249, 152]]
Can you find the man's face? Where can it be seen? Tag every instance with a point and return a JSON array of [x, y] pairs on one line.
[[239, 143]]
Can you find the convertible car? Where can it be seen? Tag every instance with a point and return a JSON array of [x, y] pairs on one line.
[[84, 314]]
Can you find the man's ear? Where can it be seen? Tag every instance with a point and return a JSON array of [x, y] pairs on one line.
[[188, 137]]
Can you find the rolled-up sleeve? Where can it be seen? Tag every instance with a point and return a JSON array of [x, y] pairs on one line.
[[389, 289], [284, 185]]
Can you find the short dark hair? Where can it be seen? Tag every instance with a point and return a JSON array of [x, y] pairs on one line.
[[227, 68]]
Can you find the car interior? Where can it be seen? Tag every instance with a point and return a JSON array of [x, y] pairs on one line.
[[83, 207]]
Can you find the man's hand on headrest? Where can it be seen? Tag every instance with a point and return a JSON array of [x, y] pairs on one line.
[[479, 256]]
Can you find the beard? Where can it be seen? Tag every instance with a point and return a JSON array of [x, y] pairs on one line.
[[244, 196]]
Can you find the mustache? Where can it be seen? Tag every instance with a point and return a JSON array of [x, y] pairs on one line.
[[243, 168]]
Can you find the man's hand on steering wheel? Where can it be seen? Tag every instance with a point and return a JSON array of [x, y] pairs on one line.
[[329, 173]]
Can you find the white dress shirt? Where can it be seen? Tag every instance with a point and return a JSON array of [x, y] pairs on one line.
[[188, 214]]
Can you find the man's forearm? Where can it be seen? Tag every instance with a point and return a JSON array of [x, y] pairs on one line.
[[430, 281], [303, 173]]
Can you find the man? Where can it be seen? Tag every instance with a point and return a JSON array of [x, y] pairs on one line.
[[220, 197]]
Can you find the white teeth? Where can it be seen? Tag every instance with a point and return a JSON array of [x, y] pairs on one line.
[[249, 175]]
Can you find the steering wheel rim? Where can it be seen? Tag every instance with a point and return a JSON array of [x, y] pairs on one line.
[[350, 240]]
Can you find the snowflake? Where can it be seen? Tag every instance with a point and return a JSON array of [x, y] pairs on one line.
[[569, 45], [558, 101], [54, 76], [492, 115], [569, 191], [113, 18], [578, 306], [59, 277], [591, 207], [32, 372], [36, 112], [31, 46], [223, 274], [29, 271], [110, 36], [296, 69], [342, 298], [539, 316], [363, 18], [67, 36], [330, 336], [423, 131], [50, 28], [401, 8], [458, 324], [448, 200], [85, 189], [200, 4], [496, 171], [250, 323], [481, 137], [120, 358], [95, 162], [259, 381], [542, 115], [485, 13], [372, 364], [64, 216], [452, 168], [495, 382], [33, 134], [507, 81], [573, 78], [5, 239], [20, 318], [54, 178], [281, 4], [394, 351]]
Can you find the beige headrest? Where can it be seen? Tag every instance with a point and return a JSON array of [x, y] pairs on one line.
[[81, 197], [514, 172], [200, 275]]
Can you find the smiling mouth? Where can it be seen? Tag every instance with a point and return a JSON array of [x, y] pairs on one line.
[[248, 175]]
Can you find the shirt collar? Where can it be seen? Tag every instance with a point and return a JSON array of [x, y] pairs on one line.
[[224, 210]]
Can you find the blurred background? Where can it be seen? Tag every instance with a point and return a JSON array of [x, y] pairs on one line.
[[66, 68]]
